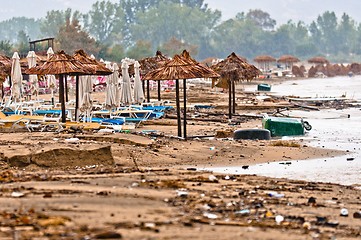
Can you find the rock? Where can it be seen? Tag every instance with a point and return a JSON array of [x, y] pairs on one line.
[[357, 214], [108, 235]]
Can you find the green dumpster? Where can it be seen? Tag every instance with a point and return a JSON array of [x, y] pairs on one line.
[[264, 87], [283, 126]]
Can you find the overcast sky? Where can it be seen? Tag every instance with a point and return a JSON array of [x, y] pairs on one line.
[[280, 10]]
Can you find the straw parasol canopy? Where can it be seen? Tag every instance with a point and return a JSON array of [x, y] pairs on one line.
[[90, 62], [264, 61], [152, 63], [181, 67], [234, 69], [318, 60], [6, 62], [288, 59], [264, 58], [61, 63]]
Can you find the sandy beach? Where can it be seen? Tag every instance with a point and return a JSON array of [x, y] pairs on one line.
[[143, 185]]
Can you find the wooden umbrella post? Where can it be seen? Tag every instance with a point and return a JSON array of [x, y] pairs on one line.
[[234, 96], [77, 98], [159, 90], [143, 85], [61, 98], [148, 91], [66, 89], [178, 108], [229, 99], [184, 109]]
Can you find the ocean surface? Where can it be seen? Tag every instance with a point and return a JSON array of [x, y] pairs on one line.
[[332, 129]]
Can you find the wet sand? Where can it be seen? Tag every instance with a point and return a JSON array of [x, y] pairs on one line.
[[147, 187]]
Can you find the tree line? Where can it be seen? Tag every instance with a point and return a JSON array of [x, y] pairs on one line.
[[137, 28]]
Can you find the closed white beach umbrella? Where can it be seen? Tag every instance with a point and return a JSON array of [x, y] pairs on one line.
[[138, 89], [85, 90], [16, 78], [110, 92], [115, 80], [33, 79], [51, 80], [126, 91]]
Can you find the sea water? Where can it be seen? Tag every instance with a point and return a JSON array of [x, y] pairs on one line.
[[331, 129]]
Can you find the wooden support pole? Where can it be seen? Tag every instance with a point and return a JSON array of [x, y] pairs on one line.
[[184, 109], [234, 97], [229, 99], [179, 123], [61, 98], [159, 90], [66, 89], [77, 98], [148, 91]]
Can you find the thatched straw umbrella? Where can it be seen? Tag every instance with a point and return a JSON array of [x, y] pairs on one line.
[[234, 69], [318, 60], [181, 67], [5, 70], [91, 63], [61, 64], [6, 62], [288, 60], [264, 61], [150, 64]]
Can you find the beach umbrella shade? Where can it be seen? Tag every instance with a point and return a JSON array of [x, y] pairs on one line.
[[6, 63], [50, 79], [85, 88], [181, 67], [138, 90], [33, 79], [288, 60], [233, 69], [264, 61], [149, 64], [60, 64], [126, 90], [116, 82], [110, 90], [318, 60], [16, 77]]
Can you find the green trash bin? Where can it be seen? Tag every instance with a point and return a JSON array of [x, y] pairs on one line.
[[283, 126], [263, 87]]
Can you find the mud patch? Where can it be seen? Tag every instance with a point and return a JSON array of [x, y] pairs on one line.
[[64, 157]]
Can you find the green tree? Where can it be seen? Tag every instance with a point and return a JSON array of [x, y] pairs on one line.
[[238, 35], [261, 19], [29, 26], [190, 25], [105, 21], [140, 50], [23, 43], [347, 34], [55, 19], [114, 53], [6, 48], [327, 24]]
